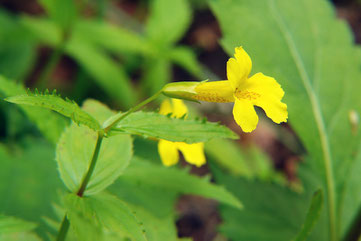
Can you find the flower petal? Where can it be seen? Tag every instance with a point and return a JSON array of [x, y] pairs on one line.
[[165, 108], [239, 68], [179, 108], [193, 153], [270, 98], [215, 91], [168, 152], [245, 115]]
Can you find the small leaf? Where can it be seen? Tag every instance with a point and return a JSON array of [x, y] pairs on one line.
[[53, 102], [76, 147], [312, 216], [103, 212], [150, 124]]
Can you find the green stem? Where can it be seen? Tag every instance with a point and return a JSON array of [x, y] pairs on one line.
[[108, 124], [53, 61], [63, 229], [93, 162]]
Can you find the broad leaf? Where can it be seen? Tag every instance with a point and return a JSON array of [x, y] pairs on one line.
[[62, 12], [312, 216], [75, 150], [186, 58], [13, 229], [312, 55], [271, 212], [103, 215], [49, 123], [29, 181], [54, 102], [168, 21], [174, 180], [150, 124], [157, 72]]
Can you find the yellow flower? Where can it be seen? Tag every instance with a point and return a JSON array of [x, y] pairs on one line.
[[168, 151], [247, 92]]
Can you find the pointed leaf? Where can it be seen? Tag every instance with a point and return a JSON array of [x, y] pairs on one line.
[[56, 103], [150, 124]]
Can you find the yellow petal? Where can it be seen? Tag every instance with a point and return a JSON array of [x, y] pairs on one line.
[[239, 68], [270, 96], [215, 91], [168, 152], [179, 108], [165, 108], [245, 115], [193, 153]]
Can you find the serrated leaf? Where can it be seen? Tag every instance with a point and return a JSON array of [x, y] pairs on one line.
[[168, 21], [75, 150], [150, 124], [175, 180], [105, 215], [317, 64], [54, 124], [56, 103], [312, 216]]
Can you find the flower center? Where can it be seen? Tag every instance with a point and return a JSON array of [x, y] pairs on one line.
[[245, 94]]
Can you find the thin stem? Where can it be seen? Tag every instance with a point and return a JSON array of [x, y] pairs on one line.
[[53, 61], [92, 165], [63, 229], [120, 116]]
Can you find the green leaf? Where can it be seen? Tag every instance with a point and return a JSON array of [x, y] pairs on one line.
[[318, 67], [54, 102], [157, 73], [271, 212], [62, 12], [175, 180], [29, 181], [114, 38], [75, 150], [186, 58], [49, 123], [14, 225], [168, 21], [106, 72], [103, 211], [150, 124], [313, 215]]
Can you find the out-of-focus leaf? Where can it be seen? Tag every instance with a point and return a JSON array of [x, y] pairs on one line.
[[250, 163], [105, 71], [100, 212], [157, 74], [54, 102], [14, 225], [175, 180], [313, 214], [317, 64], [113, 38], [150, 124], [271, 212], [75, 150], [168, 21], [29, 181], [62, 12], [53, 125], [17, 48], [186, 58]]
